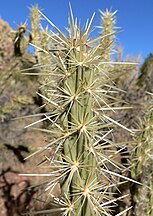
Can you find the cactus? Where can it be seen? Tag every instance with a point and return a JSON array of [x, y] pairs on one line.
[[142, 166], [108, 21], [119, 69], [42, 43], [35, 25], [83, 163]]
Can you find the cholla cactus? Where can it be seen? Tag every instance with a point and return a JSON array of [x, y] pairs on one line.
[[35, 26], [142, 166], [108, 34], [119, 69], [41, 42], [79, 127], [40, 38]]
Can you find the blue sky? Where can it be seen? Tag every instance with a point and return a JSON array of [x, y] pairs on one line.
[[134, 16]]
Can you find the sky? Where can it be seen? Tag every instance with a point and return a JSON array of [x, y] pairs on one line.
[[135, 17]]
